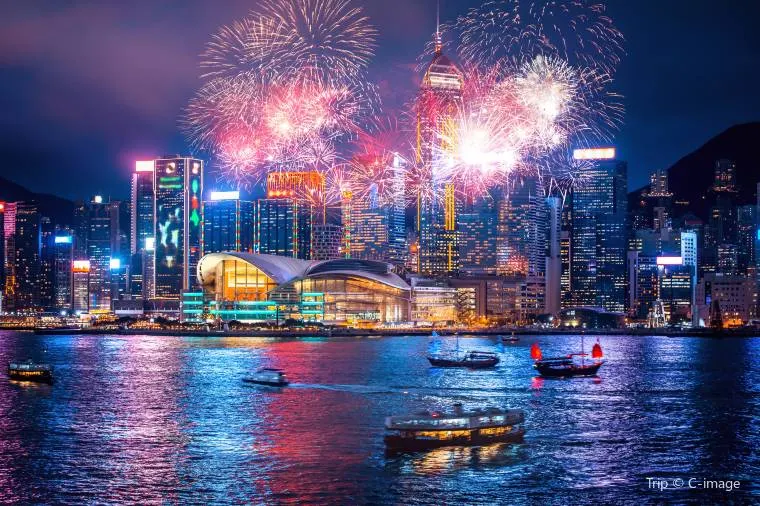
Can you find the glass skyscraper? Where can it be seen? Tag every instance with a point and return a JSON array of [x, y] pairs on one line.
[[63, 264], [178, 183], [283, 227], [227, 223], [598, 249]]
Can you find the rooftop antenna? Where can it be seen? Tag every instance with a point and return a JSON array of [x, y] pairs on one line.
[[438, 43]]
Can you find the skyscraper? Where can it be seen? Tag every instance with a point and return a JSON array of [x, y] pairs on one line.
[[599, 236], [439, 98], [227, 223], [178, 183], [63, 265], [9, 268], [553, 267], [142, 230], [102, 219], [2, 253], [476, 227], [47, 261], [521, 229], [283, 228], [143, 200], [27, 257]]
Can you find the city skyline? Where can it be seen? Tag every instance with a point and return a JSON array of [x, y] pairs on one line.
[[397, 50]]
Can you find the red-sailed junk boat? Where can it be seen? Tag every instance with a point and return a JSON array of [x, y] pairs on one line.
[[563, 367]]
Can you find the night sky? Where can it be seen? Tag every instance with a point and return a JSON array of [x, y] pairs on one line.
[[89, 87]]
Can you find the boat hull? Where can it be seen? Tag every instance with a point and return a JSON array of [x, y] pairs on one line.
[[553, 371], [470, 364], [266, 383], [397, 443], [34, 376]]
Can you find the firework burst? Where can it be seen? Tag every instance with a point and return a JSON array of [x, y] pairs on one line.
[[283, 86]]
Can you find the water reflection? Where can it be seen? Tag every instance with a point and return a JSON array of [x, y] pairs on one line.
[[162, 419]]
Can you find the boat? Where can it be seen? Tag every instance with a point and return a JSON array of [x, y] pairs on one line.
[[433, 429], [567, 366], [268, 377], [510, 339], [471, 359], [30, 371]]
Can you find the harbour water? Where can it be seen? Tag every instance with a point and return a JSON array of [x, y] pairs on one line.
[[168, 420]]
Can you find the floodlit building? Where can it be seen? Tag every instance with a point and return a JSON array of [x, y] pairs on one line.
[[266, 288], [178, 190]]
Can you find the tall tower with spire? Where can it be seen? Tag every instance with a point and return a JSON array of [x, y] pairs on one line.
[[438, 101]]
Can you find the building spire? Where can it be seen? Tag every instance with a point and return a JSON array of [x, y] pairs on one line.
[[438, 42]]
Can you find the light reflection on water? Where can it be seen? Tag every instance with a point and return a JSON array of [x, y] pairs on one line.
[[163, 419]]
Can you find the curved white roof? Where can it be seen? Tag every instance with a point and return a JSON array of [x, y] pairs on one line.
[[280, 269], [285, 269]]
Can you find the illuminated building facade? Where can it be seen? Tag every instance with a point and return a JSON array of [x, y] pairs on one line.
[[675, 291], [63, 265], [102, 244], [178, 183], [476, 229], [735, 295], [326, 242], [598, 246], [254, 288], [433, 302], [521, 230], [283, 228], [2, 253], [9, 266], [80, 285], [228, 223], [745, 237], [643, 284], [142, 230], [27, 243], [439, 99], [553, 255]]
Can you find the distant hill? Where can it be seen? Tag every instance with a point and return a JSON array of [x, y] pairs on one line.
[[56, 208], [691, 176]]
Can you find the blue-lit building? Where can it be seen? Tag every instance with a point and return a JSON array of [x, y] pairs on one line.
[[283, 228], [142, 230], [598, 244], [476, 227], [178, 183], [228, 223], [102, 244], [63, 265]]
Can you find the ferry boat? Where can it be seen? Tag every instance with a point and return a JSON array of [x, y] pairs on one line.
[[268, 377], [564, 367], [30, 371], [458, 428]]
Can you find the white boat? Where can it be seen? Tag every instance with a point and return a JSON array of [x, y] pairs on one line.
[[269, 377]]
